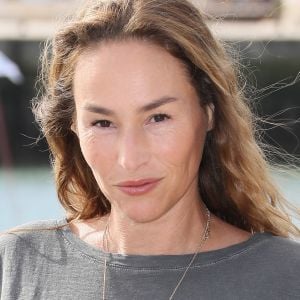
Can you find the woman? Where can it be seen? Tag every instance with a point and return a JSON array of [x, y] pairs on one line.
[[166, 191]]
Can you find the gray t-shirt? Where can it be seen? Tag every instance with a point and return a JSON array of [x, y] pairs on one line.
[[56, 264]]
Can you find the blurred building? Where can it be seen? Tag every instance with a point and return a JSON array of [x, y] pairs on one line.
[[242, 19]]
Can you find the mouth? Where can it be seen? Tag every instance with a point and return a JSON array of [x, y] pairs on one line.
[[138, 187]]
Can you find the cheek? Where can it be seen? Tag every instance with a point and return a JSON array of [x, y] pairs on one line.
[[97, 157], [95, 151], [182, 148]]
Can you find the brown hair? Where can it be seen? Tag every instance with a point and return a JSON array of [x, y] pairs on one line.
[[234, 180]]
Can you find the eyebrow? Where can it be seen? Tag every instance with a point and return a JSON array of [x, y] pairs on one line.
[[148, 107]]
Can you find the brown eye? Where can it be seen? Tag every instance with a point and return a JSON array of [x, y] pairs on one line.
[[160, 117], [102, 123]]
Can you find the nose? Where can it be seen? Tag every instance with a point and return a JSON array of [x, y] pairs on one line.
[[134, 150]]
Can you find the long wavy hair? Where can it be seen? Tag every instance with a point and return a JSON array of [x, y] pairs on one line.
[[234, 179]]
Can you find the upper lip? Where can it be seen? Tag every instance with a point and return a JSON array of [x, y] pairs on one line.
[[139, 182]]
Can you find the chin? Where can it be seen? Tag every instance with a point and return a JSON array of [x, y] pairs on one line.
[[143, 212]]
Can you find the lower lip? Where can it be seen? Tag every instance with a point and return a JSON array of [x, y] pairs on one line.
[[139, 190]]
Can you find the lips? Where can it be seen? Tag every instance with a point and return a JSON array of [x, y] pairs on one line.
[[135, 183], [138, 187]]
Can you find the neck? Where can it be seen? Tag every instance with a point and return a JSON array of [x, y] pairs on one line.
[[178, 232]]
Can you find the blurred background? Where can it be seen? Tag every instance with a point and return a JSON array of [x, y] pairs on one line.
[[264, 34]]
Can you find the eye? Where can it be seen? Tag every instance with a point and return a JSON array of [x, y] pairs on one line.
[[160, 118], [102, 123]]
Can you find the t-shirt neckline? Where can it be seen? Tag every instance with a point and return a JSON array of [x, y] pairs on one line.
[[158, 261]]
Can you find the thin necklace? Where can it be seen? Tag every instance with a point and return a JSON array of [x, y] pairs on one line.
[[205, 237]]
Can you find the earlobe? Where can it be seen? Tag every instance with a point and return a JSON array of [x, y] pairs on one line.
[[210, 109], [73, 128]]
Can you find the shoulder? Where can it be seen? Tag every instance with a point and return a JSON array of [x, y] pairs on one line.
[[277, 246], [23, 236], [278, 257], [276, 260], [273, 250], [264, 253]]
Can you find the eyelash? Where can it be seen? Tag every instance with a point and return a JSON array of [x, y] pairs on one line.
[[106, 122], [98, 122], [166, 117]]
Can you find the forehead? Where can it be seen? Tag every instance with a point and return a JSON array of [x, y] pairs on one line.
[[132, 68], [124, 47]]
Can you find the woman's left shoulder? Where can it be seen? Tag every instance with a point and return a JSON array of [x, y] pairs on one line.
[[278, 252], [280, 244]]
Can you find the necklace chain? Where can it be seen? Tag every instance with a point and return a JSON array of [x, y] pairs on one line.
[[205, 237]]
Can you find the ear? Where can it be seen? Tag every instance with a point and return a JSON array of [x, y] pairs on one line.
[[74, 127], [210, 110]]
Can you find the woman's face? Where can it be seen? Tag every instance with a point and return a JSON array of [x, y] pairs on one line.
[[140, 126]]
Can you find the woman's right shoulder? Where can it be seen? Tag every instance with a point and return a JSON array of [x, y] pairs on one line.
[[28, 234]]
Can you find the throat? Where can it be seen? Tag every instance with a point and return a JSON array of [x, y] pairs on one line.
[[174, 237]]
